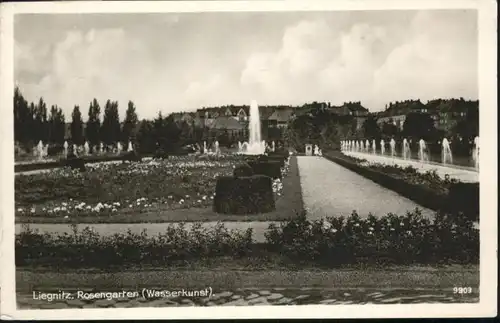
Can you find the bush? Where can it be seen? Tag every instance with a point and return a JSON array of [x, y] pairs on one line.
[[132, 156], [75, 162], [244, 195], [390, 239], [87, 248], [243, 170], [268, 168], [464, 197], [161, 154]]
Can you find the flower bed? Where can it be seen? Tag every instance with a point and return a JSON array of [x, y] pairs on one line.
[[105, 189], [109, 187], [331, 242]]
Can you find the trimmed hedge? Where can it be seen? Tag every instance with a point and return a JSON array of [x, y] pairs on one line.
[[132, 156], [75, 162], [243, 170], [244, 195], [37, 166], [268, 168], [160, 154], [463, 197]]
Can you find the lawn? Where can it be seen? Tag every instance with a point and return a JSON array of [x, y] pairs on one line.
[[178, 189]]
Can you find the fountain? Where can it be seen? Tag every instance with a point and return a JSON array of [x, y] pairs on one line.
[[475, 152], [316, 150], [130, 147], [357, 145], [75, 150], [205, 147], [254, 146], [374, 147], [367, 145], [216, 145], [86, 148], [392, 144], [361, 145], [406, 149], [46, 150], [39, 150], [382, 147], [101, 148], [119, 148], [65, 145], [423, 155], [273, 146], [446, 156]]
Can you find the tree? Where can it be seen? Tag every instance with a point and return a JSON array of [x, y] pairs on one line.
[[419, 126], [93, 123], [389, 130], [145, 140], [23, 118], [40, 126], [130, 124], [57, 126], [76, 126], [371, 129], [110, 129]]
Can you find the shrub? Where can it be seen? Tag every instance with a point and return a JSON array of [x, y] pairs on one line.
[[243, 170], [87, 248], [161, 154], [268, 168], [75, 162], [390, 239], [464, 197], [132, 156], [244, 195]]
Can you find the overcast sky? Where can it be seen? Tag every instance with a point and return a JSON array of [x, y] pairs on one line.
[[179, 62]]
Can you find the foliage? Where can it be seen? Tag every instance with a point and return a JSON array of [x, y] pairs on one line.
[[371, 129], [244, 195], [419, 126], [130, 123], [87, 248], [77, 126], [93, 124], [177, 182], [333, 242], [110, 128], [406, 239]]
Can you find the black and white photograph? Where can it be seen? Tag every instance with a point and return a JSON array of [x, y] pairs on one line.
[[225, 159]]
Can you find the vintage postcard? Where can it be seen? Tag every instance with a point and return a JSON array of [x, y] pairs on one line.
[[248, 159]]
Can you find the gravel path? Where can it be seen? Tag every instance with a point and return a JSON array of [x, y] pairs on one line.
[[331, 190]]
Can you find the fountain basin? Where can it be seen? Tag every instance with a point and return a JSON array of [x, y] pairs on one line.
[[460, 173]]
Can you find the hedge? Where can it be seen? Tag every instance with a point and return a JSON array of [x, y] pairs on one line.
[[334, 242], [132, 156], [268, 168], [244, 195]]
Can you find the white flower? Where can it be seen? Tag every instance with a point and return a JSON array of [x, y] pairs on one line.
[[334, 230], [64, 204], [204, 197], [113, 210], [33, 210], [20, 210], [65, 216]]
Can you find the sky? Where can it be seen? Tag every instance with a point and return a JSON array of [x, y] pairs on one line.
[[173, 62]]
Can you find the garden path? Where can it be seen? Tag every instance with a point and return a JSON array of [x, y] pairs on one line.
[[329, 189]]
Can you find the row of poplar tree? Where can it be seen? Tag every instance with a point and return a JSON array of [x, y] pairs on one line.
[[32, 123]]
